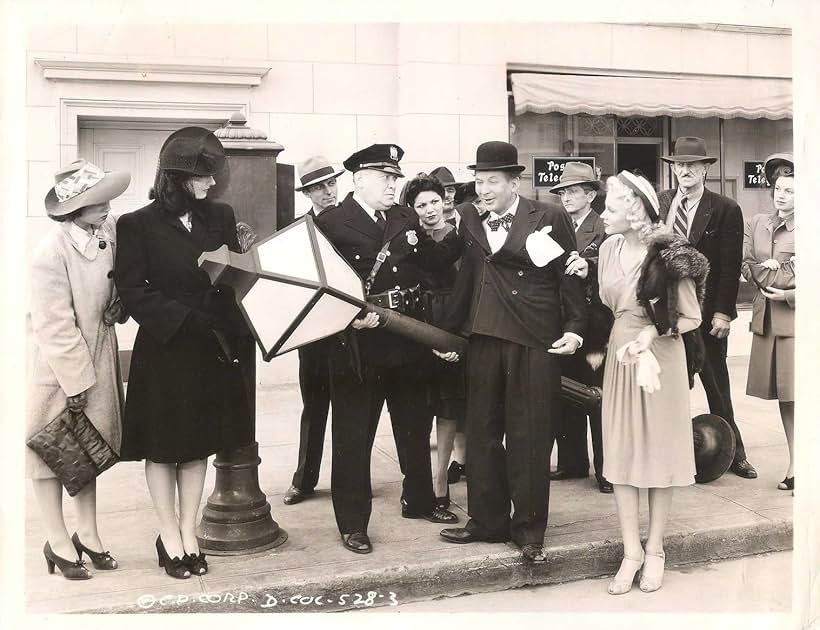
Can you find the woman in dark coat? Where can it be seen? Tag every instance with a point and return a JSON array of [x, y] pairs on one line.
[[184, 400]]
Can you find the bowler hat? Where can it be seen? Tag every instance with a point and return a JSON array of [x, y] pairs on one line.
[[496, 156], [576, 173], [377, 157], [193, 150], [82, 184], [773, 162], [315, 170], [443, 175], [689, 149], [714, 446]]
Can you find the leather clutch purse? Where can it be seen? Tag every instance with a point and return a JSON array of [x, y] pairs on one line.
[[73, 449]]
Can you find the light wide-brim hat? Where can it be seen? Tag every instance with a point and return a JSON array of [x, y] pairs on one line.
[[714, 446], [575, 174], [776, 160], [690, 149], [316, 170], [82, 184]]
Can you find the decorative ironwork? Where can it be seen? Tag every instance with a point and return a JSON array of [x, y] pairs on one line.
[[639, 127], [596, 126]]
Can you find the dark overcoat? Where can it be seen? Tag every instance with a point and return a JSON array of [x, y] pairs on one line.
[[184, 401]]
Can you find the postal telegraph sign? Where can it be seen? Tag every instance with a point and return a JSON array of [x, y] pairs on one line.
[[546, 171], [754, 175]]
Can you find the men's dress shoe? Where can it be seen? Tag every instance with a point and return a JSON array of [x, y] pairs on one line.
[[604, 486], [357, 542], [533, 553], [438, 515], [743, 468], [294, 495], [561, 475], [462, 535], [455, 472]]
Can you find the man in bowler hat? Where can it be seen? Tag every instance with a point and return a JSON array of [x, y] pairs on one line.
[[577, 188], [317, 182], [387, 247], [714, 225], [520, 312]]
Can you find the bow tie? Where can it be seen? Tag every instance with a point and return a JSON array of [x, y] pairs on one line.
[[505, 220]]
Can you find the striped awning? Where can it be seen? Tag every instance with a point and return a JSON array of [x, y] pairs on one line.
[[724, 97]]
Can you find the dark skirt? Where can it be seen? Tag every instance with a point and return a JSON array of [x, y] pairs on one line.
[[184, 401]]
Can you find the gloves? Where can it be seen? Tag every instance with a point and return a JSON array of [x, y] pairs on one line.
[[648, 368]]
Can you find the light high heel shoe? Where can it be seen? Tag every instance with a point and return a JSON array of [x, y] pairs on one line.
[[625, 577], [652, 574]]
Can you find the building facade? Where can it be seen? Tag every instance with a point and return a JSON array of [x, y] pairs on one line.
[[619, 93]]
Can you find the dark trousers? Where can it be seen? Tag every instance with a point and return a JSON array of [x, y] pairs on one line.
[[715, 379], [314, 385], [356, 409], [571, 429], [512, 395]]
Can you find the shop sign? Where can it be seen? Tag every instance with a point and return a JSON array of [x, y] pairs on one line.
[[754, 175], [546, 171]]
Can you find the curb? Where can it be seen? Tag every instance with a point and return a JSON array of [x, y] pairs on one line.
[[500, 568]]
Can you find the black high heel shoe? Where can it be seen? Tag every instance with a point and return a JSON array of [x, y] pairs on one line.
[[101, 560], [196, 563], [786, 484], [175, 567], [71, 570]]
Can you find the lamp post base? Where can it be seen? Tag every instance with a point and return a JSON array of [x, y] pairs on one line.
[[237, 517]]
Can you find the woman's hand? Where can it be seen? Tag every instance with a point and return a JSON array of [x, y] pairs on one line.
[[113, 314], [771, 264], [577, 266], [371, 320], [774, 294], [450, 357], [644, 340], [78, 402]]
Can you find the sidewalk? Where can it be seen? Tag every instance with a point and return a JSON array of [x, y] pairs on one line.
[[730, 517]]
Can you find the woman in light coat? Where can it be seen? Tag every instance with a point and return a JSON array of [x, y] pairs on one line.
[[72, 347], [768, 261]]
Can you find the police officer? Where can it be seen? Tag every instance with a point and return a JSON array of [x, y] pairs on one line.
[[317, 179], [386, 246]]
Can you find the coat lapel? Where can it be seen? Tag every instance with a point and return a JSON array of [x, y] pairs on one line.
[[586, 232], [361, 221], [397, 219], [474, 225], [522, 226], [702, 216]]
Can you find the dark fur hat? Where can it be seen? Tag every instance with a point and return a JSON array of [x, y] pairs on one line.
[[669, 259]]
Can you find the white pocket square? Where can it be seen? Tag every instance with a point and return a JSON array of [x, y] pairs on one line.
[[542, 248]]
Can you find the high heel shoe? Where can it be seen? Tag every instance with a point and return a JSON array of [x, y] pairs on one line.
[[71, 570], [175, 567], [652, 574], [101, 560], [786, 484], [196, 563], [628, 569]]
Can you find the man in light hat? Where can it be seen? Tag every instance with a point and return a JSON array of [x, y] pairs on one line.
[[387, 247], [318, 183], [520, 312], [577, 189], [714, 225]]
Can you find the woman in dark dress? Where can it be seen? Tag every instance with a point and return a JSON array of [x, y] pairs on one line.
[[425, 195], [184, 400]]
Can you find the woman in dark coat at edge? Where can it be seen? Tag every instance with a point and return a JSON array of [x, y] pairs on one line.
[[183, 403]]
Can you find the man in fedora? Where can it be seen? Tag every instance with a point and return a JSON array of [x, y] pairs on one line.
[[520, 311], [445, 176], [387, 247], [577, 188], [318, 183], [714, 225]]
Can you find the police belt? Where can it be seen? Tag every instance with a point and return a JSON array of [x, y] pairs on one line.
[[402, 300]]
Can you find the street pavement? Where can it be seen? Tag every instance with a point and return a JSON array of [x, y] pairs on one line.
[[728, 518]]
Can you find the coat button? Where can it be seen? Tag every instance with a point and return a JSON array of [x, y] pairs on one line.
[[520, 273], [395, 269], [514, 292], [415, 250], [398, 288], [110, 274], [357, 257], [387, 253]]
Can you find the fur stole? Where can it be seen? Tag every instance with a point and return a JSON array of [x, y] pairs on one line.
[[669, 259]]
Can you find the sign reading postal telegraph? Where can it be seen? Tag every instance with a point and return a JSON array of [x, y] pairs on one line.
[[546, 171]]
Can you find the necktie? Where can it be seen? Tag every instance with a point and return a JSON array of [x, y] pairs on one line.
[[504, 220], [681, 226], [575, 224], [380, 219], [451, 221]]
